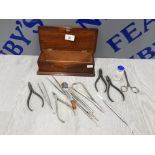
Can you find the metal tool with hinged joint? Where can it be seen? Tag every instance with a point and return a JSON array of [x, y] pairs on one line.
[[80, 103], [57, 99], [32, 91], [128, 86], [108, 84]]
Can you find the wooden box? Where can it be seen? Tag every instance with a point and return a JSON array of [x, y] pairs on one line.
[[67, 51]]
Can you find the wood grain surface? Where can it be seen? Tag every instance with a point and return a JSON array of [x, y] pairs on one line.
[[138, 109]]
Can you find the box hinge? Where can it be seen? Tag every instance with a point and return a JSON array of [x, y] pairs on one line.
[[68, 29]]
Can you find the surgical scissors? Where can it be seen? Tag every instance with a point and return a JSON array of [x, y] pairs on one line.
[[32, 91], [125, 88]]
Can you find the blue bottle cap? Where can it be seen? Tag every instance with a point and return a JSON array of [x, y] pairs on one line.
[[121, 68]]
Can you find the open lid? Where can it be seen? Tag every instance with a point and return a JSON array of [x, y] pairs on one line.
[[68, 39]]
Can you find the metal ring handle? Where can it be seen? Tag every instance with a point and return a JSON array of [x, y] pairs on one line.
[[124, 88], [134, 90]]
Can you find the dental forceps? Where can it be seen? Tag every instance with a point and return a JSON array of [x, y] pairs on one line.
[[100, 76], [56, 103], [125, 88], [32, 91], [108, 89]]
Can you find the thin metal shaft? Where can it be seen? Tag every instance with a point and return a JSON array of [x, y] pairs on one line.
[[92, 101], [86, 111], [126, 77], [65, 103], [57, 112], [42, 92], [47, 99], [81, 101], [61, 101], [116, 114], [59, 89], [58, 83], [84, 87], [90, 97]]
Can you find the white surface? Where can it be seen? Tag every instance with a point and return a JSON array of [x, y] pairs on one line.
[[15, 118]]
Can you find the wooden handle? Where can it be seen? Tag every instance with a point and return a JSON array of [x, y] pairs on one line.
[[74, 104]]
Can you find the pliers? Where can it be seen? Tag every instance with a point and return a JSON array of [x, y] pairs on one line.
[[100, 76], [56, 103], [32, 91], [108, 88]]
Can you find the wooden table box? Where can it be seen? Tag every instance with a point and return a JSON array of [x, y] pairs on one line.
[[67, 51]]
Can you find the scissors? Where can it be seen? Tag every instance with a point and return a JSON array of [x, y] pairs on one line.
[[125, 88]]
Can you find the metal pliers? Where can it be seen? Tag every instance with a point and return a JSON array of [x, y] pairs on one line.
[[30, 94], [100, 76], [56, 103], [108, 88]]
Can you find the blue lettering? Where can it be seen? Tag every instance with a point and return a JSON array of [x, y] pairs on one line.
[[12, 48], [128, 33], [146, 53], [114, 44], [33, 23], [20, 37], [82, 22], [146, 23]]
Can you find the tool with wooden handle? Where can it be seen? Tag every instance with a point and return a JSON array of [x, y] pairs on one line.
[[74, 104], [64, 86]]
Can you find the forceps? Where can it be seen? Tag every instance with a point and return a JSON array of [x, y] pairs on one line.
[[125, 88]]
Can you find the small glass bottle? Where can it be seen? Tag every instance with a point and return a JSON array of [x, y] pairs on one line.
[[119, 73]]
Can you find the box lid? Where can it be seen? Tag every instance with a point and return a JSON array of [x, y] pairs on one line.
[[67, 39]]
